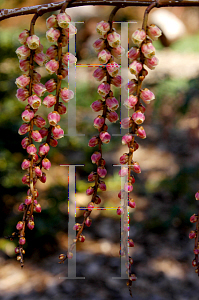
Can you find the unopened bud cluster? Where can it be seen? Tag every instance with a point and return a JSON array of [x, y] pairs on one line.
[[141, 55], [194, 235], [30, 89]]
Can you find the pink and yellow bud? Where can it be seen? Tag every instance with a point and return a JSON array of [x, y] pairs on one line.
[[63, 19], [52, 66], [154, 32], [22, 81], [51, 21], [36, 136], [132, 204], [112, 103], [43, 149], [23, 129], [120, 211], [69, 58], [19, 225], [53, 142], [36, 77], [25, 143], [28, 200], [21, 207], [91, 176], [51, 52], [23, 52], [99, 73], [104, 56], [133, 53], [64, 72], [138, 36], [31, 149], [118, 51], [131, 86], [99, 44], [123, 172], [141, 132], [128, 187], [105, 137], [135, 67], [192, 234], [49, 100], [66, 94], [98, 122], [23, 36], [147, 96], [33, 42], [25, 179], [22, 240], [114, 39], [93, 141], [148, 50], [34, 101], [126, 123], [46, 164], [88, 222], [61, 108], [138, 117], [117, 81], [58, 132], [31, 224], [39, 121], [25, 164], [51, 85], [24, 65], [39, 89], [52, 35], [38, 208], [101, 171], [40, 58], [91, 206], [124, 159], [38, 171], [102, 28], [197, 195], [53, 118], [112, 116], [90, 191], [43, 131], [126, 139], [95, 157], [136, 167], [27, 115], [103, 89], [151, 63], [112, 68], [194, 218], [97, 105], [102, 186], [130, 102]]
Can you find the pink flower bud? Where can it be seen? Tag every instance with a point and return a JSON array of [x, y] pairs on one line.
[[138, 36], [99, 122], [51, 21], [22, 94], [141, 132], [117, 81], [147, 96], [112, 103], [118, 51], [64, 72], [33, 42], [46, 164], [102, 186], [194, 218], [91, 206], [120, 211], [70, 255], [127, 138], [132, 204], [24, 65], [23, 129], [135, 67], [43, 149], [113, 39], [53, 118], [61, 108], [63, 19], [69, 58], [131, 243], [133, 53], [192, 234], [132, 86], [53, 35], [101, 171], [21, 207], [99, 44], [49, 100], [97, 105], [151, 63], [16, 250], [112, 68], [99, 73], [77, 226], [36, 136], [58, 132], [51, 52], [126, 123], [38, 171], [22, 240], [23, 52], [51, 85], [124, 159], [36, 77], [39, 89], [105, 137], [128, 187], [88, 222], [197, 195], [138, 117], [28, 200], [27, 115], [39, 121], [22, 81], [31, 149], [52, 66], [136, 167], [25, 164], [53, 142], [103, 89], [102, 28], [95, 157], [142, 108], [23, 36], [34, 101], [38, 208], [130, 102], [31, 224], [66, 94], [148, 50], [25, 143], [154, 32], [25, 179], [19, 225], [123, 172], [91, 176], [90, 191], [40, 58], [104, 56], [112, 116], [93, 141]]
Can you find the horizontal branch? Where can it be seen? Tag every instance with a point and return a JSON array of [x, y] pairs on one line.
[[41, 9]]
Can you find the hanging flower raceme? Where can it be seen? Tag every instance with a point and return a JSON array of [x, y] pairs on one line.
[[141, 55], [30, 89], [195, 235]]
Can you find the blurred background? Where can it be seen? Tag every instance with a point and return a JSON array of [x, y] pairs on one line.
[[163, 192]]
